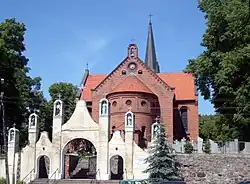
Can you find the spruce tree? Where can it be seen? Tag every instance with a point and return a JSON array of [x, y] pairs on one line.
[[162, 164]]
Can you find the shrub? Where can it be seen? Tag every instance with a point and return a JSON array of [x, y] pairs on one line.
[[2, 181], [207, 147], [21, 182], [188, 148]]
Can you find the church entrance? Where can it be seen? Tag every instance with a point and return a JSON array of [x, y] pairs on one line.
[[79, 157], [116, 167], [43, 166]]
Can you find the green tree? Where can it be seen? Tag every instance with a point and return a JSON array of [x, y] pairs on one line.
[[20, 90], [214, 127], [188, 148], [222, 70], [207, 147], [67, 92], [162, 164]]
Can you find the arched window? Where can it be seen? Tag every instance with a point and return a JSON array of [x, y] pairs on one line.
[[104, 107], [129, 119], [184, 117]]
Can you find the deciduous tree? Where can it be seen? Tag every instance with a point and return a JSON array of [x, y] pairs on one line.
[[222, 70], [67, 92], [20, 90]]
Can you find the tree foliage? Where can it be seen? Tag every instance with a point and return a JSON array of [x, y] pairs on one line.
[[222, 70], [67, 91], [188, 148], [22, 93], [207, 147], [162, 164], [20, 90], [214, 127]]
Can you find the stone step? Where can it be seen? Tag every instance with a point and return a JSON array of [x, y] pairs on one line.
[[40, 181], [74, 181]]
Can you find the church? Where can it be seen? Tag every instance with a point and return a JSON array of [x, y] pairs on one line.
[[113, 124], [150, 94]]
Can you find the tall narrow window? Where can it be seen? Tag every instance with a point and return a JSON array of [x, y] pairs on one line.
[[184, 117]]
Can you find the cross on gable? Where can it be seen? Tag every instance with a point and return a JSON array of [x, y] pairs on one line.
[[132, 40], [104, 94], [157, 119], [14, 125], [59, 96]]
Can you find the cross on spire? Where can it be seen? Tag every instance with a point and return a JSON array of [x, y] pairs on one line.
[[87, 65], [150, 17]]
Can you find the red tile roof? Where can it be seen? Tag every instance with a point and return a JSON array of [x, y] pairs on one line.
[[131, 84], [183, 83], [91, 83]]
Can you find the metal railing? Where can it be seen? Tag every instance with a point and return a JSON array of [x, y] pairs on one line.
[[23, 180], [52, 176]]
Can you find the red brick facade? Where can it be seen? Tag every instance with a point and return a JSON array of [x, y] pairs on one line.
[[148, 95]]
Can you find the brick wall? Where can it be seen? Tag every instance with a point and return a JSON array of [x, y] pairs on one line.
[[164, 94], [214, 168], [193, 119], [150, 79]]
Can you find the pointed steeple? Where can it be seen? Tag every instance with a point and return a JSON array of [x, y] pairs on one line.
[[150, 59]]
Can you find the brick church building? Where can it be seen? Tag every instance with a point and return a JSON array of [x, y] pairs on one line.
[[139, 86]]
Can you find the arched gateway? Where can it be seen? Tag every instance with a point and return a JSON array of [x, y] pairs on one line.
[[43, 166], [116, 167], [79, 159]]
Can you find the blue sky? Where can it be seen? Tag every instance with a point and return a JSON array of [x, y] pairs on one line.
[[62, 36]]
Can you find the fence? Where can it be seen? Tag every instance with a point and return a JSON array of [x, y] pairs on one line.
[[219, 147]]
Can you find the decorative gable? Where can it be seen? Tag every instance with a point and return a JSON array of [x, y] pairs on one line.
[[131, 64]]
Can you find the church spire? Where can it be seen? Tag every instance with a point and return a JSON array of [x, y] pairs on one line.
[[150, 59]]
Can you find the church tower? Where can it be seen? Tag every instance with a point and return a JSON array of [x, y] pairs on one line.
[[150, 58]]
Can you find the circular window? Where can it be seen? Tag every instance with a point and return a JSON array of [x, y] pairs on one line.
[[128, 102], [132, 66], [123, 72], [114, 103], [143, 103]]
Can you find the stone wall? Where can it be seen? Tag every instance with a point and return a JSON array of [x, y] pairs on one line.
[[214, 168]]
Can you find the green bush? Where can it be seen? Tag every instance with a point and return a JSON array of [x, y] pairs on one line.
[[188, 148], [2, 180], [207, 147]]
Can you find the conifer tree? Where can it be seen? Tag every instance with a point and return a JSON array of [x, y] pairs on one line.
[[162, 164]]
